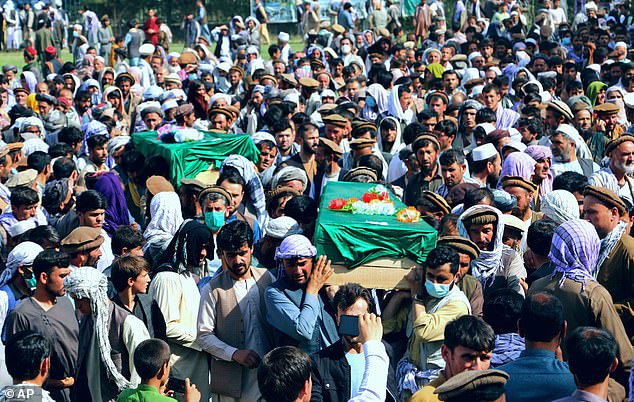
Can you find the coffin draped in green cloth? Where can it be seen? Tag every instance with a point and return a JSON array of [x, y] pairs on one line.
[[187, 159], [353, 240]]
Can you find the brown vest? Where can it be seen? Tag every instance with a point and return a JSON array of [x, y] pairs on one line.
[[226, 377]]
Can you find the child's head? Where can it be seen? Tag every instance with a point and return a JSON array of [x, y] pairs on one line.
[[130, 271], [152, 360]]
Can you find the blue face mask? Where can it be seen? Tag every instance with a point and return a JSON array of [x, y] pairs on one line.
[[214, 220], [192, 76], [370, 101], [437, 290], [566, 41]]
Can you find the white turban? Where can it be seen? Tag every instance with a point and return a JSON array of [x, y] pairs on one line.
[[295, 246], [23, 254], [88, 283], [560, 206]]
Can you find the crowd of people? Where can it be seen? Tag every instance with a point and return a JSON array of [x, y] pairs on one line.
[[511, 135]]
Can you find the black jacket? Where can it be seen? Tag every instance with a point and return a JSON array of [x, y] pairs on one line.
[[331, 375]]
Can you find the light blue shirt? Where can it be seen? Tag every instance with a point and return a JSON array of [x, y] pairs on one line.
[[357, 367]]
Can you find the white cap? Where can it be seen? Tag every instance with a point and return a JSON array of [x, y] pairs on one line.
[[488, 127], [146, 49], [483, 152], [569, 130], [621, 44], [284, 37], [328, 93], [262, 136], [224, 66], [516, 145], [282, 227], [292, 97], [591, 6], [514, 222], [169, 104]]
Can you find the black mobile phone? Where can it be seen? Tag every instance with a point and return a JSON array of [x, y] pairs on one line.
[[349, 325], [176, 385]]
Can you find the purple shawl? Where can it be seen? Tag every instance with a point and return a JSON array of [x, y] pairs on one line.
[[539, 153], [517, 164], [117, 213]]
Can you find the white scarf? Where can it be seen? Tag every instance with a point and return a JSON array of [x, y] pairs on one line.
[[608, 243], [489, 263]]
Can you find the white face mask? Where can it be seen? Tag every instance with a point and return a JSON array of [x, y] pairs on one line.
[[346, 49]]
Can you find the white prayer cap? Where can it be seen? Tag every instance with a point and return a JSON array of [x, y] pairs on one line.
[[532, 41], [146, 49], [514, 222], [252, 50], [569, 130], [595, 67], [78, 27], [224, 66], [547, 74], [262, 136], [282, 227], [591, 6], [328, 93], [169, 104], [21, 227], [516, 145], [473, 55], [171, 55], [476, 90], [292, 97], [495, 69], [483, 152], [284, 37], [621, 44], [487, 127]]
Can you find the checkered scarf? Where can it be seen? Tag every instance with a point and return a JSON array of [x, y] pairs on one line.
[[88, 283], [575, 250]]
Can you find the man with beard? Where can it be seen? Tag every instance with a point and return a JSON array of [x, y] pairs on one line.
[[603, 209], [52, 315], [497, 266], [189, 194], [124, 82], [344, 362], [453, 168], [297, 304], [309, 142], [236, 342], [621, 164], [285, 140], [607, 120], [564, 150], [327, 157], [557, 113], [426, 148], [486, 166], [83, 245], [597, 141]]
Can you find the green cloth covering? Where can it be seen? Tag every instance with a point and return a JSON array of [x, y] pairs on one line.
[[347, 238], [187, 159]]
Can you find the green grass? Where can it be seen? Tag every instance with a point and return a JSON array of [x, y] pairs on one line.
[[16, 58]]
